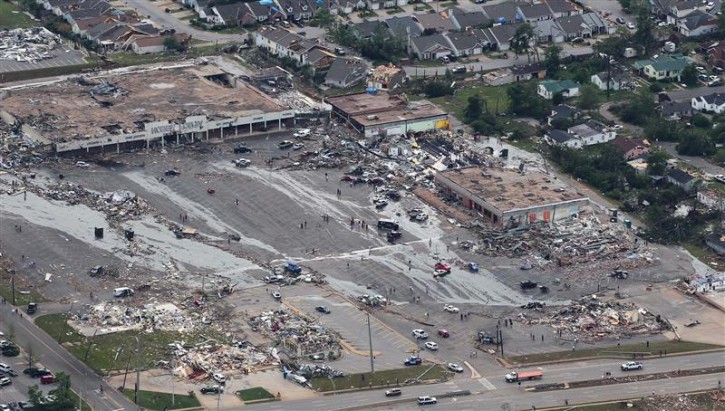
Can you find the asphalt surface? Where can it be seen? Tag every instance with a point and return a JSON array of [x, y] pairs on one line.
[[689, 93], [51, 355], [168, 20], [490, 391], [63, 56]]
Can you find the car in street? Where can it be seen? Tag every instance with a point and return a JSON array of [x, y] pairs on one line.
[[298, 146], [620, 20], [631, 365], [528, 284], [340, 51], [426, 400], [5, 381], [473, 267], [284, 144], [431, 345], [212, 389], [451, 309], [444, 333], [241, 149], [413, 360], [455, 367], [393, 393], [242, 163], [4, 367], [82, 164], [220, 378], [459, 70], [322, 309], [420, 334]]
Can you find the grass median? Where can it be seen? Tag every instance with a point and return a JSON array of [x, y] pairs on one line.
[[254, 394], [385, 378], [623, 351], [116, 351], [153, 400]]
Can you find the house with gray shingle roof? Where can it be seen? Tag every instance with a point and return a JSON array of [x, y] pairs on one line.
[[501, 36], [346, 72], [535, 12], [464, 20], [439, 22], [402, 26], [697, 23], [504, 13], [468, 43], [431, 47], [562, 8], [548, 31]]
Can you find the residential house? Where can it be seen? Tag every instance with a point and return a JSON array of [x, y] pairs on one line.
[[320, 59], [562, 138], [431, 47], [230, 14], [563, 112], [346, 72], [675, 110], [681, 9], [283, 43], [716, 55], [468, 43], [386, 77], [155, 44], [639, 165], [712, 199], [525, 72], [531, 12], [682, 179], [403, 27], [254, 13], [574, 26], [344, 6], [99, 9], [592, 132], [366, 30], [503, 13], [374, 4], [562, 8], [209, 15], [548, 31], [498, 77], [549, 88], [296, 9], [197, 5], [466, 20], [662, 67], [501, 36], [716, 243], [596, 23], [438, 22], [614, 80], [713, 103], [697, 23], [81, 26], [631, 148]]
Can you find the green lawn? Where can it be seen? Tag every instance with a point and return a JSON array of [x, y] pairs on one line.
[[21, 299], [12, 17], [497, 99], [254, 394], [102, 355], [380, 379], [160, 400], [671, 347]]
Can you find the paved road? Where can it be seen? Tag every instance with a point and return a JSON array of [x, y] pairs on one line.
[[697, 162], [491, 391], [489, 64], [687, 94], [56, 358], [168, 20]]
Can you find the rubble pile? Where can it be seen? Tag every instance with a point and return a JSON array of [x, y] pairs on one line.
[[683, 402], [297, 334], [117, 205], [318, 370], [28, 45], [112, 317], [212, 357], [593, 320]]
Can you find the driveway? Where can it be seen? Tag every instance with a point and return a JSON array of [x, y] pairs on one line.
[[169, 20]]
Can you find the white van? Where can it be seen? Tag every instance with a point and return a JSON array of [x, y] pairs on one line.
[[122, 292]]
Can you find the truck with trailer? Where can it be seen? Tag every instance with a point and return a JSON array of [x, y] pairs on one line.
[[515, 376]]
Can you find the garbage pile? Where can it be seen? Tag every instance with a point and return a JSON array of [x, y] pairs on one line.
[[594, 320], [111, 317], [211, 356], [318, 370], [118, 205], [298, 335], [28, 45]]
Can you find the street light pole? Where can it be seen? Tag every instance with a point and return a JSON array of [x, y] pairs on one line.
[[370, 339]]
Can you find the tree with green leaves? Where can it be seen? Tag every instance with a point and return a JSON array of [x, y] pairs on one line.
[[172, 44], [552, 60], [695, 142], [612, 46], [689, 75], [525, 101], [522, 40], [588, 97], [474, 108], [322, 18], [657, 163], [644, 36]]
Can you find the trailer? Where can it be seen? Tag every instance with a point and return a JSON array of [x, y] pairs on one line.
[[514, 376]]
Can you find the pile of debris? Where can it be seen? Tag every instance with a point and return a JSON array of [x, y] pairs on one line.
[[682, 402], [298, 335], [111, 317], [310, 371], [28, 45], [211, 356], [591, 320]]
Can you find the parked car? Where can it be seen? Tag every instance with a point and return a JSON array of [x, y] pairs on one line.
[[322, 309], [82, 164], [426, 400], [172, 172], [5, 381], [620, 20], [297, 146], [32, 308], [241, 149], [459, 70], [47, 379], [455, 367], [212, 389], [473, 267], [528, 284], [393, 393], [451, 309], [431, 345], [414, 360], [339, 51], [96, 270], [284, 144], [420, 334], [630, 25], [4, 367], [444, 333], [242, 163], [220, 378]]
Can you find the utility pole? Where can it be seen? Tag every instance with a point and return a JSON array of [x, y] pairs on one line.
[[12, 285], [138, 372], [90, 344], [370, 339]]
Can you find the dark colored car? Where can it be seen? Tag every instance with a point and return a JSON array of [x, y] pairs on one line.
[[32, 308], [95, 271], [172, 172], [413, 361], [212, 389], [36, 372], [444, 333], [322, 309], [393, 235], [241, 149], [528, 284]]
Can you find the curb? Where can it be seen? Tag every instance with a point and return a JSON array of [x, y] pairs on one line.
[[505, 363]]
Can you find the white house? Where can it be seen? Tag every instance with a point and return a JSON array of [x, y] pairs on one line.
[[617, 80], [549, 88], [714, 102], [712, 199], [592, 132]]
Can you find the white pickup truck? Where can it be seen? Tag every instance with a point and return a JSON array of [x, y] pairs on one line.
[[632, 365]]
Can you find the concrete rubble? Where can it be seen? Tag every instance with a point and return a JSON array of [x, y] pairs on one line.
[[28, 45], [591, 320], [298, 336]]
